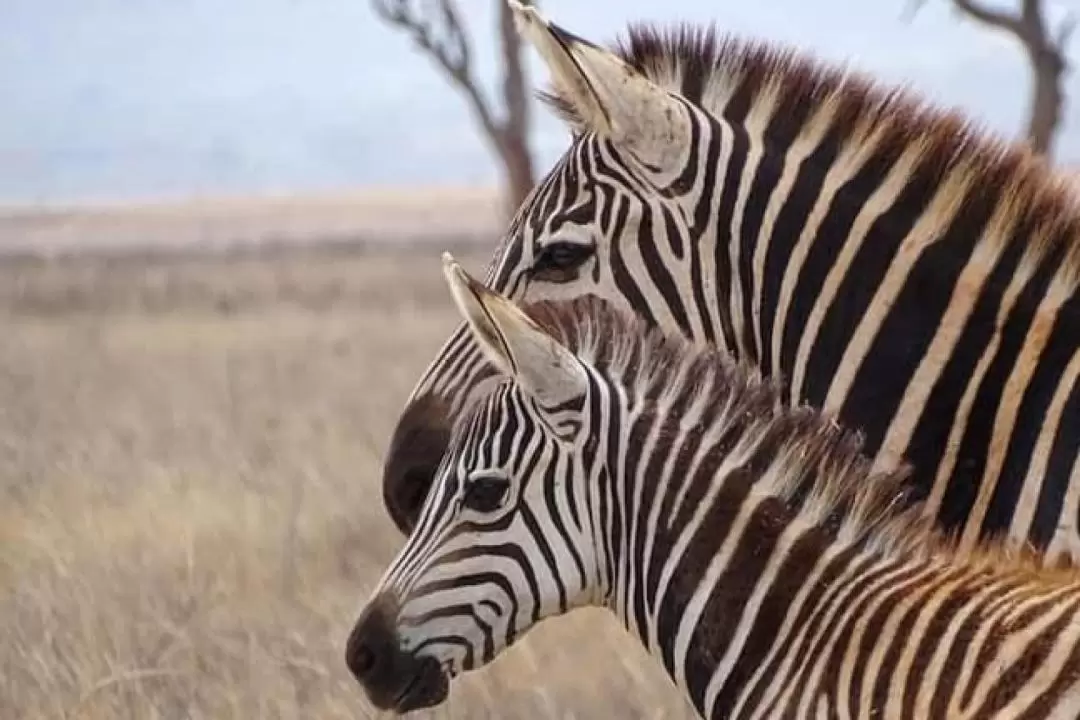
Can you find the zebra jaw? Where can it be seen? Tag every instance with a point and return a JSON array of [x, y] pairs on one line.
[[612, 98]]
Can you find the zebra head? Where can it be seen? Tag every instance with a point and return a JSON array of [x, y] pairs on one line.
[[506, 535], [598, 223]]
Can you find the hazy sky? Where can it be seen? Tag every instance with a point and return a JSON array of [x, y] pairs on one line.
[[152, 98]]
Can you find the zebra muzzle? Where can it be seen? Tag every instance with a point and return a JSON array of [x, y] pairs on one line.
[[393, 678]]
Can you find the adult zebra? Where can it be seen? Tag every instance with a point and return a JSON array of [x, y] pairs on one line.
[[888, 264], [747, 544]]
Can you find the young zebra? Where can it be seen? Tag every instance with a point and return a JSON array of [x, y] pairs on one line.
[[875, 256], [746, 544]]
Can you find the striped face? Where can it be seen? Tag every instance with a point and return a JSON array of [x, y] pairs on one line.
[[506, 536], [598, 224], [616, 218]]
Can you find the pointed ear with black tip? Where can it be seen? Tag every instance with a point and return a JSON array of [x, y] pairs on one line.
[[612, 98], [515, 344]]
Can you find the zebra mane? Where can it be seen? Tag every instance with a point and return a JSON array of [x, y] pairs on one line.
[[813, 463], [729, 76]]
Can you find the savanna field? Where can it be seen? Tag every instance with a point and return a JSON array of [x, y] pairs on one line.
[[191, 517]]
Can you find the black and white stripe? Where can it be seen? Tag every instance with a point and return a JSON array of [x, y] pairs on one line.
[[749, 547], [879, 258]]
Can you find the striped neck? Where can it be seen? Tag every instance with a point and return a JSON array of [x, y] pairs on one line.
[[717, 563], [759, 591]]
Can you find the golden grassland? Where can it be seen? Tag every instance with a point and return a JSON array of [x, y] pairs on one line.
[[191, 518]]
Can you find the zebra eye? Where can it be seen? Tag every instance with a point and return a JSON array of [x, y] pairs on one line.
[[485, 492], [558, 262]]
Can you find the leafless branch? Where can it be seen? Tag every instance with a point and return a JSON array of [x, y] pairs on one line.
[[1045, 50], [1065, 31], [513, 73], [1029, 12], [450, 49], [1017, 25], [436, 28], [911, 9]]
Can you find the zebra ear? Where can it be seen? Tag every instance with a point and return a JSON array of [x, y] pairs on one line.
[[513, 342], [609, 96]]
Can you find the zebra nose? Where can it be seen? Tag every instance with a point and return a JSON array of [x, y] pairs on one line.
[[392, 678], [416, 449], [361, 660], [372, 645]]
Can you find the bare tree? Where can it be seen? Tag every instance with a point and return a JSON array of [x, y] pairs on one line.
[[436, 28], [1045, 50]]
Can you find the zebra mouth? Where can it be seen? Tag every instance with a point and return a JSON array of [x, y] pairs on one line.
[[427, 687], [393, 678]]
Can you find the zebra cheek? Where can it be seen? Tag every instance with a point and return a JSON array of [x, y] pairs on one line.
[[418, 444]]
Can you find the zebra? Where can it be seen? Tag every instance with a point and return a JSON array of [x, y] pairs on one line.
[[748, 544], [880, 258]]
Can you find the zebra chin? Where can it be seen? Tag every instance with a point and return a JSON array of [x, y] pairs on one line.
[[393, 678]]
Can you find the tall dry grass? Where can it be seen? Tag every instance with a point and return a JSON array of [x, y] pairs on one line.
[[190, 513]]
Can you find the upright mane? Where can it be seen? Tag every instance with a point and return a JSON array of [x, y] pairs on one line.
[[731, 77], [823, 472]]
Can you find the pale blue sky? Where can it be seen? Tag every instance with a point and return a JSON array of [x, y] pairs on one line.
[[108, 99]]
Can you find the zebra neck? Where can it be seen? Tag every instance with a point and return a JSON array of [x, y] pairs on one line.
[[754, 606], [707, 597]]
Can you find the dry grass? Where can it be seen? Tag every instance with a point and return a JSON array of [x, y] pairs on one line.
[[377, 216], [190, 514]]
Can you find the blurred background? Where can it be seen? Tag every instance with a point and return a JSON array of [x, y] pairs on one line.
[[219, 234]]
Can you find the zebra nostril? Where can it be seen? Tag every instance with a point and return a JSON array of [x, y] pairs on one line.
[[368, 642], [362, 661]]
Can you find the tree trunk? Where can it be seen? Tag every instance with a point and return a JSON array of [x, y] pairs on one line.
[[513, 140], [441, 35], [1046, 53], [1047, 68], [517, 170]]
